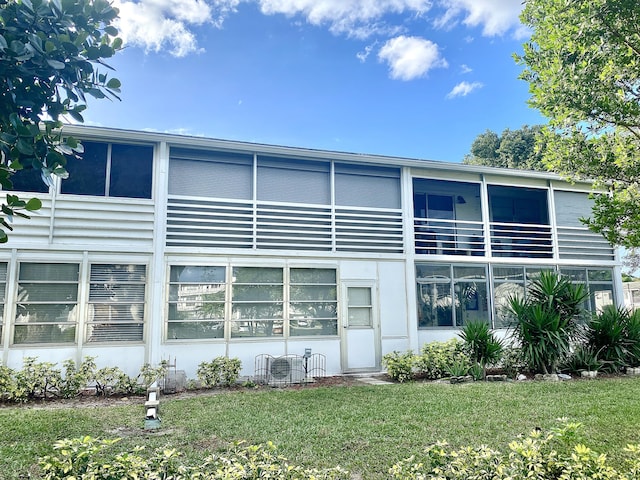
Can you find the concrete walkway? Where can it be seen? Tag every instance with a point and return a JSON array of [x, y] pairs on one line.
[[371, 380]]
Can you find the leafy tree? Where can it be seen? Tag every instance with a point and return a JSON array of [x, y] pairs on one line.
[[49, 54], [583, 68], [512, 149]]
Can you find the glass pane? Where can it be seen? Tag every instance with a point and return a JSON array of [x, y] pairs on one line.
[[359, 316], [601, 297], [116, 293], [49, 272], [576, 275], [471, 302], [313, 327], [601, 275], [46, 313], [120, 312], [128, 332], [512, 274], [44, 334], [47, 292], [191, 274], [475, 273], [433, 272], [197, 293], [434, 305], [257, 275], [312, 275], [359, 296], [196, 311], [28, 180], [301, 310], [323, 292], [533, 273], [118, 273], [177, 331], [502, 293], [252, 311], [257, 292], [88, 174], [131, 171], [264, 328]]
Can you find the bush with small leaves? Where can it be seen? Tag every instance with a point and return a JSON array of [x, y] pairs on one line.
[[75, 379], [437, 358], [89, 458], [37, 379], [399, 365], [221, 371]]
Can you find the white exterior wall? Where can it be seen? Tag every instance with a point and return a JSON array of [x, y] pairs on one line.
[[87, 229]]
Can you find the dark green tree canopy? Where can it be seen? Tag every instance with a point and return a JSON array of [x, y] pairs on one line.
[[583, 69], [50, 51], [512, 149]]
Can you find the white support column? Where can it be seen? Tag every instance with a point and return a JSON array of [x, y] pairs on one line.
[[410, 258], [156, 274]]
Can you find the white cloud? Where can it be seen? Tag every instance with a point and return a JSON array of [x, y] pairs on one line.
[[465, 69], [496, 17], [463, 89], [356, 18], [363, 55], [158, 25], [410, 57]]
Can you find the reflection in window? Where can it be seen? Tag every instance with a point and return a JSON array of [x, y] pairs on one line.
[[451, 295], [599, 282], [112, 170], [116, 303], [257, 302], [508, 282], [313, 302], [196, 302], [360, 308], [46, 307]]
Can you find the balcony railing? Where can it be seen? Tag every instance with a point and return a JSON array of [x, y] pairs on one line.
[[448, 237], [521, 240]]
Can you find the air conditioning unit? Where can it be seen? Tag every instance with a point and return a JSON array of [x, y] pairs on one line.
[[286, 370]]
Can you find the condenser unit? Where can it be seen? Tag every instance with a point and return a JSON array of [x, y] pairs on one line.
[[286, 370]]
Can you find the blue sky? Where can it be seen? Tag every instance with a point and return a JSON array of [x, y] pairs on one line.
[[409, 78]]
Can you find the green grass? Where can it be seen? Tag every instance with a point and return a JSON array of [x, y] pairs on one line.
[[362, 428]]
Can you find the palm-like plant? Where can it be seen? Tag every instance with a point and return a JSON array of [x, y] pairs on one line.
[[481, 343], [615, 335], [548, 321]]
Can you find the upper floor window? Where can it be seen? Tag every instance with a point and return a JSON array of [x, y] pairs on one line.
[[111, 170], [518, 205]]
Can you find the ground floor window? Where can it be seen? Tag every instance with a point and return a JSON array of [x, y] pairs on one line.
[[451, 295], [235, 302], [599, 283], [47, 303], [116, 303]]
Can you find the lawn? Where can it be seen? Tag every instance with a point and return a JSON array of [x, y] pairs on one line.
[[362, 428]]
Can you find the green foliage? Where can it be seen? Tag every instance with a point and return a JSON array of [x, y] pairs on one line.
[[458, 368], [511, 361], [582, 64], [614, 334], [150, 374], [49, 54], [399, 365], [547, 321], [89, 458], [37, 379], [437, 358], [221, 371], [477, 371], [481, 343], [511, 149], [583, 357], [538, 456], [76, 379]]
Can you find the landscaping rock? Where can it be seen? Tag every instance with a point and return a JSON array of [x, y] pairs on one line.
[[521, 377], [496, 378], [589, 374], [564, 376], [547, 377], [633, 370], [464, 379]]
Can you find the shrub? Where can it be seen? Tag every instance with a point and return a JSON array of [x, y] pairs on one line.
[[76, 379], [91, 458], [548, 321], [221, 371], [541, 456], [583, 357], [614, 334], [511, 361], [437, 358], [399, 365], [37, 380], [481, 344]]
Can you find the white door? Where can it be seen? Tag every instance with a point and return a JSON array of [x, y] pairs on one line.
[[361, 338]]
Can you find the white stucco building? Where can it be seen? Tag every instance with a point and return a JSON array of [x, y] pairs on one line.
[[161, 245]]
